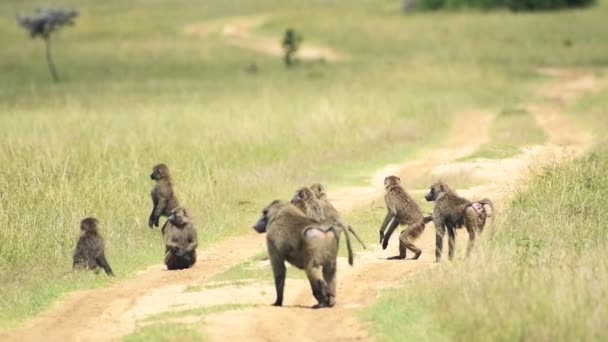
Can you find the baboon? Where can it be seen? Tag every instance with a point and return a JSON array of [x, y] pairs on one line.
[[306, 244], [180, 240], [330, 212], [163, 198], [401, 210], [305, 200], [89, 253], [452, 211]]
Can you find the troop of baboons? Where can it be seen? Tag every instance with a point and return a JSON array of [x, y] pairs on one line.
[[304, 232]]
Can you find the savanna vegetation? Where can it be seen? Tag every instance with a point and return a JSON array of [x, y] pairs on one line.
[[136, 90]]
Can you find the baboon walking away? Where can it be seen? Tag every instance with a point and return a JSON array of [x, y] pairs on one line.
[[90, 248], [401, 210], [306, 244], [451, 212]]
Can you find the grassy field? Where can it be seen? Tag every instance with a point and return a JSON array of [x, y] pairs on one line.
[[137, 91]]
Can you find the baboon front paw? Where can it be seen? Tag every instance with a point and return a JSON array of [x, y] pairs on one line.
[[396, 257], [277, 303]]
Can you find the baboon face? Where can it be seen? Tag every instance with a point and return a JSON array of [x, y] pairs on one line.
[[303, 195], [159, 172], [436, 191], [318, 190], [267, 214], [89, 225], [391, 181], [179, 216]]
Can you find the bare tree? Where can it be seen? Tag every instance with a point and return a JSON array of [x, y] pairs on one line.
[[42, 24]]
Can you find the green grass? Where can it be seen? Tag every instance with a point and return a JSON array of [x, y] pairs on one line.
[[165, 332], [542, 277], [136, 91], [513, 130]]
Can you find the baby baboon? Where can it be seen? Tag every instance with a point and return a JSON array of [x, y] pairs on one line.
[[451, 212], [401, 209], [163, 198], [329, 211], [89, 253], [180, 240], [306, 244], [306, 201]]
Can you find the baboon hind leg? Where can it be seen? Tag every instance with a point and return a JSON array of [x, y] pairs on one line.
[[439, 234], [318, 285], [329, 274], [473, 228], [402, 247]]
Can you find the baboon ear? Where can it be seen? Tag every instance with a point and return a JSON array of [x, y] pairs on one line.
[[186, 212], [399, 179], [441, 188]]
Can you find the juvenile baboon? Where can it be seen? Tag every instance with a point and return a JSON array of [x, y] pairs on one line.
[[180, 240], [401, 210], [89, 253], [452, 211], [163, 198], [330, 212], [306, 201], [306, 244]]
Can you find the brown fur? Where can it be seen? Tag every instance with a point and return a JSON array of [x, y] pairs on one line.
[[401, 210], [180, 239], [306, 244], [307, 202], [163, 197], [451, 212], [90, 248], [330, 212]]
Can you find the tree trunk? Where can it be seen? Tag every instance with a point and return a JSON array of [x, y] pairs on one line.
[[49, 59]]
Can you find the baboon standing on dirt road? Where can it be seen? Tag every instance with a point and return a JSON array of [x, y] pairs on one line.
[[90, 249], [452, 211], [305, 243], [401, 210], [163, 198]]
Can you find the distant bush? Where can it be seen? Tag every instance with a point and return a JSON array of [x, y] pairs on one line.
[[514, 5]]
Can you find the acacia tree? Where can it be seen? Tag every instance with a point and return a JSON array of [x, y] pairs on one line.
[[42, 24]]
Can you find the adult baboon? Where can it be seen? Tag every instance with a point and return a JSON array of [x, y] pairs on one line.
[[451, 212], [306, 201], [180, 240], [401, 210], [306, 244], [89, 253], [163, 198], [329, 211]]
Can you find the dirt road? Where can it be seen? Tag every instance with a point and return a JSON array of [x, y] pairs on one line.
[[108, 314], [238, 32]]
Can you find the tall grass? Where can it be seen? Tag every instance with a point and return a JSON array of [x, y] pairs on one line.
[[543, 276]]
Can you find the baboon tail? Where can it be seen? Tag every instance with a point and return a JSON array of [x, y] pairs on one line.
[[350, 229], [348, 245], [488, 202]]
